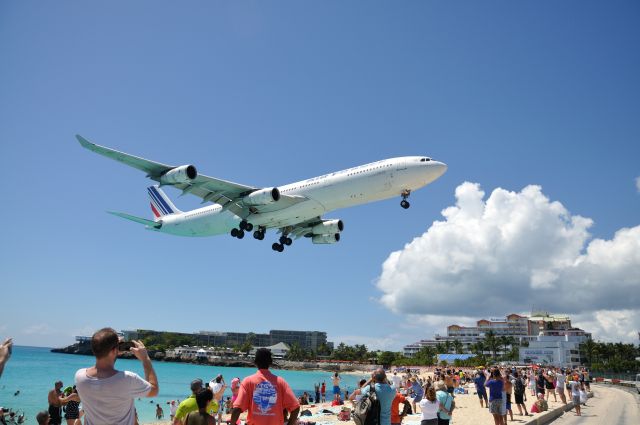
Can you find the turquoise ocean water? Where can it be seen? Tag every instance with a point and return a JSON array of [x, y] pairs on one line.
[[33, 370]]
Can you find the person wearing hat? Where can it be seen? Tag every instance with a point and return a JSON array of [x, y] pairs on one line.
[[265, 396], [479, 382], [235, 388], [190, 404]]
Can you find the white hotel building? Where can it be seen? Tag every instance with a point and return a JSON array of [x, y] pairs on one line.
[[551, 337]]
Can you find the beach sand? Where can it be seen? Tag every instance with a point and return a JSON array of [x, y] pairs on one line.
[[467, 412]]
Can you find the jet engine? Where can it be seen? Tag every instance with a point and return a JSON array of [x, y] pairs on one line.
[[182, 174], [328, 227], [325, 239], [262, 197]]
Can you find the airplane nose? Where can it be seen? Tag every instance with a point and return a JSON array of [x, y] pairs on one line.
[[439, 167]]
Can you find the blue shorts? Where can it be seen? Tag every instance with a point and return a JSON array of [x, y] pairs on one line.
[[336, 389], [482, 393]]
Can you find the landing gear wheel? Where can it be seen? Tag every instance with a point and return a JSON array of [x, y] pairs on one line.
[[288, 241], [234, 232], [240, 234], [258, 235], [283, 240], [248, 227], [405, 204], [243, 225], [277, 247]]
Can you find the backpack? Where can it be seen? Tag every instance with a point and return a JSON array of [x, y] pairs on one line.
[[367, 410], [406, 409], [519, 387]]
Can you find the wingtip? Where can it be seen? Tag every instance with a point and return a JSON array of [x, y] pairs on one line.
[[84, 142]]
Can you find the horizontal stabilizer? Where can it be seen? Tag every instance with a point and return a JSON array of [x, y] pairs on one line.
[[150, 223]]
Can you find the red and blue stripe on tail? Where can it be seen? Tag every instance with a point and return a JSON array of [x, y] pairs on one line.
[[161, 205]]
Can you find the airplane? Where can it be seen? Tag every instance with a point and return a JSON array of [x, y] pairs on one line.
[[294, 209]]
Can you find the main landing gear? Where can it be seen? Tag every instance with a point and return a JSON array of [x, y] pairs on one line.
[[245, 226], [239, 233], [404, 203], [259, 234], [284, 240]]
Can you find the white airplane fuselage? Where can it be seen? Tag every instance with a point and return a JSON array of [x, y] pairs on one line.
[[355, 186]]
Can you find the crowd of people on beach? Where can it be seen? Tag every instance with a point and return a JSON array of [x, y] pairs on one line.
[[104, 395]]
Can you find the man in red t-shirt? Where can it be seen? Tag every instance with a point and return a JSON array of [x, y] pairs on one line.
[[396, 416], [265, 396]]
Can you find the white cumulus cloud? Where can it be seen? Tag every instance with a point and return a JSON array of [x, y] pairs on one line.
[[638, 183], [508, 253]]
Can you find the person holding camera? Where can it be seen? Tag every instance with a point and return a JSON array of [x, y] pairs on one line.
[[108, 394]]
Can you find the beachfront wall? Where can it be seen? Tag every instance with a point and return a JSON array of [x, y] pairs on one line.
[[563, 351]]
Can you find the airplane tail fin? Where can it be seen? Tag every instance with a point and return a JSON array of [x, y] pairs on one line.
[[161, 205]]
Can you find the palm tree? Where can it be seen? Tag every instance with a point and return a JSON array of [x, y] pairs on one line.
[[447, 346], [477, 348], [296, 352], [426, 355], [589, 349], [491, 342], [505, 341], [457, 346]]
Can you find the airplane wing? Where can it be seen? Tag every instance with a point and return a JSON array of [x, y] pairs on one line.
[[304, 228], [210, 189]]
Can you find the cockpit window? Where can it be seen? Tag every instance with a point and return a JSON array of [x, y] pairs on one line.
[[425, 159]]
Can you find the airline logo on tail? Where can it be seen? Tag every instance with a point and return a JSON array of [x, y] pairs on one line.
[[160, 204]]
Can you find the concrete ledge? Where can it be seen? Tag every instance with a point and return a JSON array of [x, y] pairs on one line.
[[619, 384], [554, 414]]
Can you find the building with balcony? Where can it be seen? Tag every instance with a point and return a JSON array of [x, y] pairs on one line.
[[523, 329]]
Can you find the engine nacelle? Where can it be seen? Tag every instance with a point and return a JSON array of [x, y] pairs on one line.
[[262, 196], [324, 239], [328, 227], [182, 174]]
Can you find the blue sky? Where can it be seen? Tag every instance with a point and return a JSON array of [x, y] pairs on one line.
[[508, 94]]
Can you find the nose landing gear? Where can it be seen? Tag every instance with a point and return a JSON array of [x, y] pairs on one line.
[[404, 203]]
